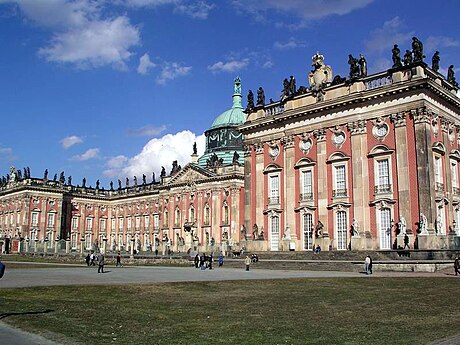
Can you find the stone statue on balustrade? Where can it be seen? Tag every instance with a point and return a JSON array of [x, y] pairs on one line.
[[423, 224], [319, 229], [127, 182], [236, 157], [111, 185], [83, 183], [194, 148], [435, 61], [401, 226], [417, 49], [135, 181], [396, 56], [362, 66], [260, 97], [144, 179], [354, 67], [45, 175], [69, 180], [97, 183], [451, 76], [163, 172], [250, 105], [407, 58], [354, 228], [119, 184], [292, 86]]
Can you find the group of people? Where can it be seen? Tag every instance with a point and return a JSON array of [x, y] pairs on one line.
[[92, 258], [206, 261]]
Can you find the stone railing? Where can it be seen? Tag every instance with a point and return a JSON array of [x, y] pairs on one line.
[[306, 196], [377, 80], [273, 200], [382, 189], [273, 109], [339, 193]]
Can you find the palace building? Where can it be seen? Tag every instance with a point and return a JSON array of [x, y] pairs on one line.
[[368, 162]]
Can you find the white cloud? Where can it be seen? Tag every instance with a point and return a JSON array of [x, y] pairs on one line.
[[171, 71], [81, 36], [392, 32], [306, 10], [145, 64], [197, 10], [89, 154], [6, 154], [156, 153], [435, 42], [148, 130], [145, 3], [230, 66], [292, 43], [70, 141], [99, 43]]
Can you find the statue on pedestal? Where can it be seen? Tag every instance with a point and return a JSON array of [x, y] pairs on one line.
[[163, 172], [417, 49], [144, 179], [45, 175], [354, 228], [451, 76], [250, 105], [407, 57], [396, 56], [354, 67], [362, 66], [194, 148], [260, 97], [422, 225], [435, 61]]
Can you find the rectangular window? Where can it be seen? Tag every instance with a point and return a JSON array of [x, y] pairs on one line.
[[385, 228], [18, 218], [438, 170], [342, 228], [74, 223], [206, 216], [128, 223], [306, 185], [156, 221], [50, 220], [34, 218], [89, 224], [103, 224], [308, 231], [340, 181], [114, 221], [146, 222], [274, 189], [138, 222], [454, 173], [120, 224], [383, 172]]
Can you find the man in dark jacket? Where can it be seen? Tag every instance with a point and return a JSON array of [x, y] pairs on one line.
[[101, 262]]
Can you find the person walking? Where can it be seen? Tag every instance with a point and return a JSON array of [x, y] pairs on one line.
[[119, 260], [92, 258], [247, 262], [367, 264], [457, 265], [87, 259], [101, 262], [221, 260], [197, 260]]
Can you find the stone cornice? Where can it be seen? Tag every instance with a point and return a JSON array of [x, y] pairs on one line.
[[357, 127]]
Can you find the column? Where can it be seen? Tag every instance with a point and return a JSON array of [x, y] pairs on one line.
[[360, 174], [402, 164], [322, 182], [290, 195], [446, 125], [247, 189], [425, 169], [260, 193]]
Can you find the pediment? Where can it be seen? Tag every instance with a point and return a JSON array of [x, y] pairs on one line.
[[190, 173]]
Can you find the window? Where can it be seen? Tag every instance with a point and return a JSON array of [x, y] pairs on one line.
[[74, 223], [438, 176], [156, 221], [440, 223], [120, 224], [342, 229], [192, 214], [306, 191], [457, 221], [340, 181], [34, 218], [177, 220], [454, 173], [274, 190], [138, 222], [129, 223], [206, 215], [226, 215], [146, 222], [18, 218], [103, 224], [113, 227], [385, 228], [308, 231], [383, 180], [274, 232], [89, 224], [73, 240], [50, 220], [166, 220], [88, 241]]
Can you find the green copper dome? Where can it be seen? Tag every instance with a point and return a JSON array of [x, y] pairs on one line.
[[224, 143], [234, 115]]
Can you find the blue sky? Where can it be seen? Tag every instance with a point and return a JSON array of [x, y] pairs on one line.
[[111, 89]]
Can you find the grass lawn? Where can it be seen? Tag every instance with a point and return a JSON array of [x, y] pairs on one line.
[[293, 311]]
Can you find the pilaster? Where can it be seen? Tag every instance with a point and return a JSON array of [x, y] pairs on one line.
[[259, 190], [360, 172], [321, 157], [290, 195], [247, 187]]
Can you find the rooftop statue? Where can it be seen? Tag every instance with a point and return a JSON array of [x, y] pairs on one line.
[[362, 66], [250, 105], [163, 172], [396, 56], [153, 177], [435, 61], [69, 180], [127, 182], [62, 177], [286, 92], [407, 57], [354, 67], [55, 177], [292, 86], [135, 180], [119, 184], [451, 76], [175, 168], [45, 175], [260, 97], [236, 156], [194, 148], [97, 184], [83, 184], [111, 185], [214, 161], [144, 179], [417, 49]]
